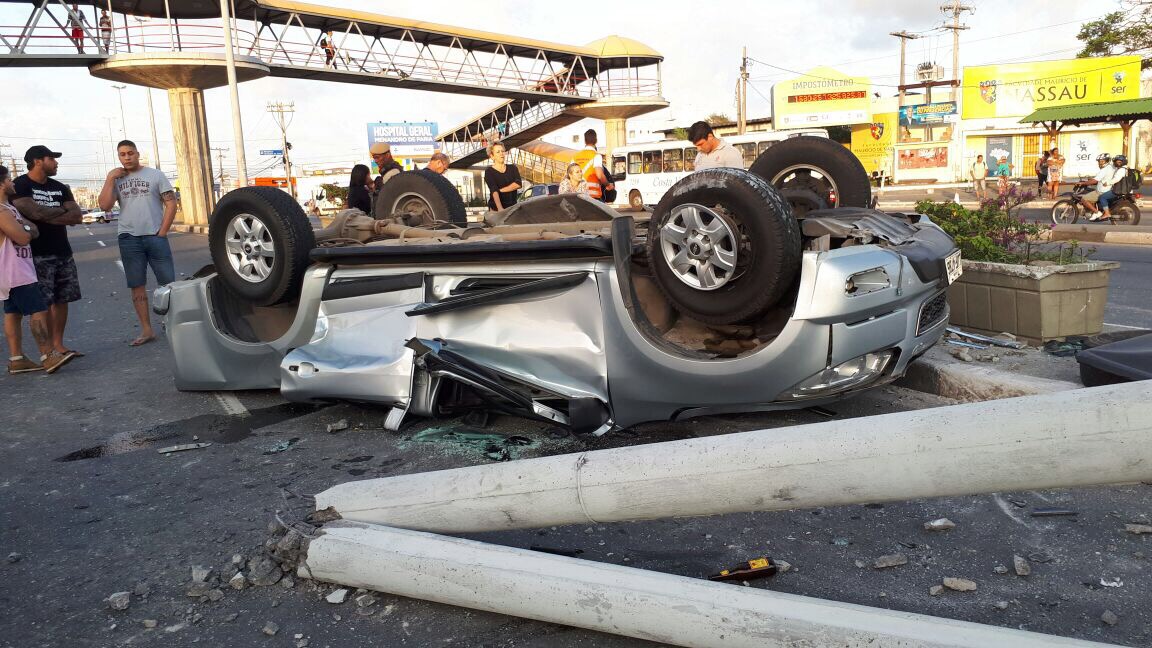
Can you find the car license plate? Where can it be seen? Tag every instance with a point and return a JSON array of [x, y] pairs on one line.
[[953, 266]]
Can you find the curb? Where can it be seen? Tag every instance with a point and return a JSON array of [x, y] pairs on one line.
[[1103, 233], [969, 383], [190, 229]]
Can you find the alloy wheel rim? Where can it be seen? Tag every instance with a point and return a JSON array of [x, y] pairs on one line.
[[700, 246], [251, 251]]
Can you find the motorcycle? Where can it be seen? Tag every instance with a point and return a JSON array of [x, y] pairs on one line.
[[1071, 207]]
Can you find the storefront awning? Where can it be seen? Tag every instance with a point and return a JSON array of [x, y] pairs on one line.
[[1114, 112]]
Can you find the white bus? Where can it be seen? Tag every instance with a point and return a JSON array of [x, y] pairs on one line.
[[643, 172]]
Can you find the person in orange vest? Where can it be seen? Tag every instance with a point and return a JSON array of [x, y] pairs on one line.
[[592, 165]]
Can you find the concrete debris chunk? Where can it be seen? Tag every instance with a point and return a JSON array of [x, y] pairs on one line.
[[1109, 617], [935, 590], [14, 557], [198, 589], [1020, 564], [201, 574], [1001, 605], [893, 560], [942, 524], [365, 600], [960, 584], [238, 582], [271, 628], [1000, 569], [337, 597], [301, 643], [119, 600], [287, 582], [264, 571], [1138, 529], [238, 560], [782, 566], [149, 623], [333, 428], [215, 595]]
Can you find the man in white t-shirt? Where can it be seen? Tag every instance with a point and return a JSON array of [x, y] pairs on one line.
[[147, 209], [1105, 178], [712, 152]]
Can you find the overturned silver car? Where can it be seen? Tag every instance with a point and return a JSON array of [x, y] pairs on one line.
[[739, 292]]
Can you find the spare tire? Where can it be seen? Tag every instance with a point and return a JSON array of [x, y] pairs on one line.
[[816, 164], [260, 239], [421, 197], [723, 246]]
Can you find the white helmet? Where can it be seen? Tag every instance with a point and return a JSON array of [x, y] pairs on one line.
[[1103, 157]]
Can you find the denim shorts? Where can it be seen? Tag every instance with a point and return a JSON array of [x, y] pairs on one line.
[[139, 252], [59, 281], [25, 300]]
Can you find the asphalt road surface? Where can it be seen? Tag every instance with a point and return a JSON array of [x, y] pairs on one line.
[[88, 508]]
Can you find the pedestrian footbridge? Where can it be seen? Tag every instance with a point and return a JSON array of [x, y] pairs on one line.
[[180, 44]]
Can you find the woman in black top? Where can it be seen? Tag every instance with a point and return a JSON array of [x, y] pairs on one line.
[[503, 180], [358, 195]]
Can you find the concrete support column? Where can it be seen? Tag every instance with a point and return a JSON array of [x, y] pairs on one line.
[[615, 134], [193, 154]]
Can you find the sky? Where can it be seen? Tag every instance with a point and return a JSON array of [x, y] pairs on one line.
[[77, 114]]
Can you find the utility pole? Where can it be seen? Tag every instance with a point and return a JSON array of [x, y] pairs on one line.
[[123, 122], [956, 9], [904, 37], [282, 113], [220, 165], [742, 96]]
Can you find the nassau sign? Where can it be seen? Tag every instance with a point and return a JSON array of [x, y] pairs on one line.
[[1018, 89]]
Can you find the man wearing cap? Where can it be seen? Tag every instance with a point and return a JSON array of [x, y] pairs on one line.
[[382, 156], [50, 203]]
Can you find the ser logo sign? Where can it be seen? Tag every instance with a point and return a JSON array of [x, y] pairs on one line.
[[1118, 78]]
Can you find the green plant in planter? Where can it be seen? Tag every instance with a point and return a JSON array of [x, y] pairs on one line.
[[996, 232]]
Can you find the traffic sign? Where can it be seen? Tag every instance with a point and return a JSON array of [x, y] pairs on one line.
[[272, 152]]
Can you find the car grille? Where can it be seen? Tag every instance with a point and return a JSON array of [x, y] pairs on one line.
[[932, 312]]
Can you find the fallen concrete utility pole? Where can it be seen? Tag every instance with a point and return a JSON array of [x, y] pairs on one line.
[[622, 600], [1096, 436]]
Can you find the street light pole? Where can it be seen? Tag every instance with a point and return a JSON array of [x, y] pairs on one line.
[[152, 123], [237, 125], [123, 122]]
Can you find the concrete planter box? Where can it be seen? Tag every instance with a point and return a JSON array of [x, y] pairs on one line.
[[1034, 303]]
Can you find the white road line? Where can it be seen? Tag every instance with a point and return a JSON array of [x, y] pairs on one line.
[[1125, 326], [232, 405], [101, 243], [120, 264]]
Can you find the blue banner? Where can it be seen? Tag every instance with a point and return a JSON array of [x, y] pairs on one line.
[[407, 139], [933, 113]]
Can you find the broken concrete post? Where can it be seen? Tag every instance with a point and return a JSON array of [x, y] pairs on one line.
[[1028, 443], [622, 600]]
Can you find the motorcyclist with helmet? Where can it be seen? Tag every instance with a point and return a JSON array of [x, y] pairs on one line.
[[1111, 171]]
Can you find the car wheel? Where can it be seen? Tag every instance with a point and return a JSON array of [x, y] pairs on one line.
[[635, 200], [422, 197], [260, 239], [1065, 212], [723, 246], [1125, 212], [819, 165]]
